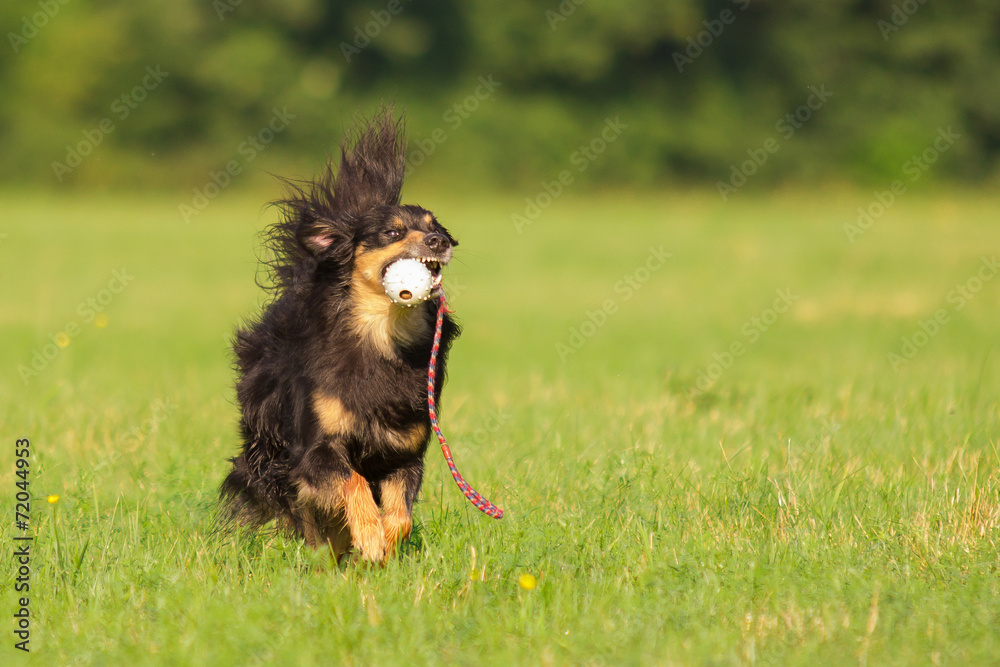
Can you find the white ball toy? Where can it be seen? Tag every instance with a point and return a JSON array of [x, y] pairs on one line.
[[408, 282]]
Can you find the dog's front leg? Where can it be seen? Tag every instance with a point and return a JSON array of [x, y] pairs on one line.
[[363, 519], [397, 492]]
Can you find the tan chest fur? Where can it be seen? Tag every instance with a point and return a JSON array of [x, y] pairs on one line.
[[335, 419], [374, 317]]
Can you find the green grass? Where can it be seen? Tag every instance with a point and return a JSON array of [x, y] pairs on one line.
[[813, 506]]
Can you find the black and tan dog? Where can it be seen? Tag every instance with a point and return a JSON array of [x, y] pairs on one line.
[[332, 379]]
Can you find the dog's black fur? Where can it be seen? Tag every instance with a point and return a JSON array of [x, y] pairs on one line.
[[332, 377]]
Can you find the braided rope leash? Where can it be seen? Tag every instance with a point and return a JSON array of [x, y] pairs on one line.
[[483, 505]]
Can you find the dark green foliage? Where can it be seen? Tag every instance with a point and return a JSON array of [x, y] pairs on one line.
[[692, 111]]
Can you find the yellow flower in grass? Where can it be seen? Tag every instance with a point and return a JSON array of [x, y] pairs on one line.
[[527, 581], [101, 321], [53, 499]]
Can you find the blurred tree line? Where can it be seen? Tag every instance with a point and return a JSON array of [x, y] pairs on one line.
[[169, 90]]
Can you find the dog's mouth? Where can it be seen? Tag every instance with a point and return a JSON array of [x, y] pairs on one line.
[[433, 264]]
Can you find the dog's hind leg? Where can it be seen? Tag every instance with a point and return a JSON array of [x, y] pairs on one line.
[[317, 527], [319, 509], [306, 524], [338, 537]]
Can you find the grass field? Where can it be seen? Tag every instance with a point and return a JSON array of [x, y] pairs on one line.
[[692, 476]]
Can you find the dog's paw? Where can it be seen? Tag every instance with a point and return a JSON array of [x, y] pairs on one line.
[[368, 537], [397, 528]]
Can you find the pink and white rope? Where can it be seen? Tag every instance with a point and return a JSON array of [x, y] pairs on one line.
[[483, 505]]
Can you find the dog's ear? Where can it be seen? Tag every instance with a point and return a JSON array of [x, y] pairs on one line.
[[327, 239], [317, 236], [311, 222], [309, 232]]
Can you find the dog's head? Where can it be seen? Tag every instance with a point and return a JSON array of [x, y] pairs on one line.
[[349, 226], [344, 230]]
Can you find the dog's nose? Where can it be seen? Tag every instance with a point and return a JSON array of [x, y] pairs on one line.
[[437, 242]]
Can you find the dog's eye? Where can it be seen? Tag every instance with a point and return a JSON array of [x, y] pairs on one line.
[[394, 233]]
